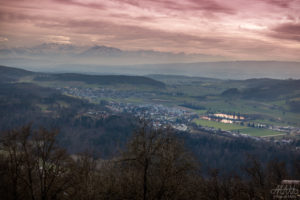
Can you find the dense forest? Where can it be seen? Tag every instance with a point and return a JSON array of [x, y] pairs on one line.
[[154, 165]]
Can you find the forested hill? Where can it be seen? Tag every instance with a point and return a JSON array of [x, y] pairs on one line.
[[101, 79], [265, 89], [10, 74]]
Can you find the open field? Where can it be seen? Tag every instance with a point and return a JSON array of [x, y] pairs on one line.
[[235, 127], [261, 132]]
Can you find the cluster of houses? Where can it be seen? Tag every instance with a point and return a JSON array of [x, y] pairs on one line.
[[96, 93], [159, 114]]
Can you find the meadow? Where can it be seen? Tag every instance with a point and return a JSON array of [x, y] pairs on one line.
[[258, 132]]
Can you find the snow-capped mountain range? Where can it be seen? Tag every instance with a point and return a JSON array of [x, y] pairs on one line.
[[109, 60], [100, 54]]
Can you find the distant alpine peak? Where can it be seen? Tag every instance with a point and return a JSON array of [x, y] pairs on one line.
[[103, 47], [53, 45]]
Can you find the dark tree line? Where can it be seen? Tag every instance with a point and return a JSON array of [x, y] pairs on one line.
[[155, 165]]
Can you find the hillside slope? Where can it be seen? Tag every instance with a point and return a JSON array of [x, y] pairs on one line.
[[8, 74]]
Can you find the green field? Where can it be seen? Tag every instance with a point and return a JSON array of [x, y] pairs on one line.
[[261, 132], [235, 127]]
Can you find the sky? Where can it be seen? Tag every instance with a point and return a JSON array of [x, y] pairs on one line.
[[233, 29]]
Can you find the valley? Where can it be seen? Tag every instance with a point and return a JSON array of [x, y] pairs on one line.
[[101, 114], [267, 108]]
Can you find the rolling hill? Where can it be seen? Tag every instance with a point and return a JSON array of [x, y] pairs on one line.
[[101, 79], [9, 74]]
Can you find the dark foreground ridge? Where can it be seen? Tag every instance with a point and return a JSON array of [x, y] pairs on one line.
[[155, 165]]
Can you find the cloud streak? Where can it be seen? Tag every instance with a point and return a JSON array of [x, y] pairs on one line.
[[288, 31], [95, 5]]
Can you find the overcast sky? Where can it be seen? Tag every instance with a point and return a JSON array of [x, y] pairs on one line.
[[236, 29]]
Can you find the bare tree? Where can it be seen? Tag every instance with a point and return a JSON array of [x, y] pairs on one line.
[[257, 186], [276, 172], [37, 168], [86, 178], [158, 164]]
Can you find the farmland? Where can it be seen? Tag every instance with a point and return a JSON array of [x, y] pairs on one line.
[[238, 128]]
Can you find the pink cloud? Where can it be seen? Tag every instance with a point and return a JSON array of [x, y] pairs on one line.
[[280, 3], [289, 28], [237, 27], [290, 31]]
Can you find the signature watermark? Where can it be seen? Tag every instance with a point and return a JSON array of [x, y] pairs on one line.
[[288, 189]]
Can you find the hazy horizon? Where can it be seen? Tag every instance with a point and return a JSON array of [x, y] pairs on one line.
[[206, 38], [219, 70]]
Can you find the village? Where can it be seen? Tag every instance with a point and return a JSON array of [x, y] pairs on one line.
[[94, 94]]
